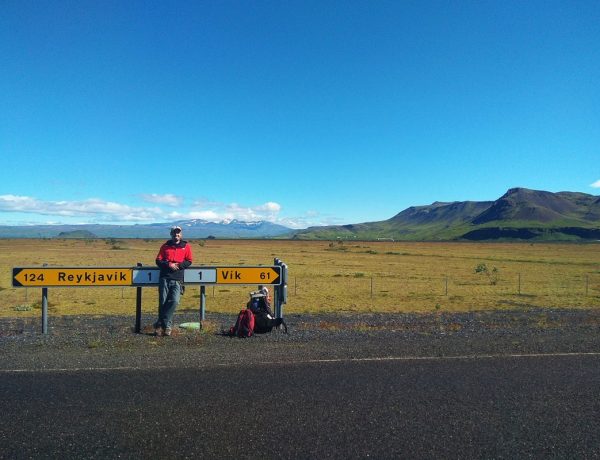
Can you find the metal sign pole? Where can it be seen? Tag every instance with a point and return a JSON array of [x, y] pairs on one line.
[[281, 289], [277, 293], [44, 310], [202, 303], [138, 308], [276, 297]]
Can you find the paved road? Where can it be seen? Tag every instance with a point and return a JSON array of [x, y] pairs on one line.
[[525, 406]]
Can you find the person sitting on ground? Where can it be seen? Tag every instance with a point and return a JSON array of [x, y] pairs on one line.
[[260, 301]]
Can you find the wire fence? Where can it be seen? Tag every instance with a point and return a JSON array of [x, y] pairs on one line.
[[517, 283], [472, 292]]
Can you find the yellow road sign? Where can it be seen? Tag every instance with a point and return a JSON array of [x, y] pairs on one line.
[[249, 275], [130, 276], [92, 276]]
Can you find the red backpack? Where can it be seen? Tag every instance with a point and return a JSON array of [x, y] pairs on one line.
[[244, 326]]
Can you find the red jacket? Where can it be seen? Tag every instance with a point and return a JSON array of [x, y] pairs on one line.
[[180, 254]]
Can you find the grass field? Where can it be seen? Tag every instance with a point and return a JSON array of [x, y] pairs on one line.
[[327, 276]]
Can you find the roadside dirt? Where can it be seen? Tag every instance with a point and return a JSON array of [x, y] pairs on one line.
[[76, 342]]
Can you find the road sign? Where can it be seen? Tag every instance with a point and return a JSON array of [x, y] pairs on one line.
[[143, 276], [249, 275], [200, 275], [193, 275], [211, 275], [59, 277]]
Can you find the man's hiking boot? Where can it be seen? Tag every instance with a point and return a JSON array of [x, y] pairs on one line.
[[168, 332], [158, 332]]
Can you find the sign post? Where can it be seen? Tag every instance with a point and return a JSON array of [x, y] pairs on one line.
[[44, 310], [138, 307], [202, 303], [281, 289]]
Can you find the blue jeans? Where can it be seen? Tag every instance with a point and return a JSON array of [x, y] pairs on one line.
[[169, 294]]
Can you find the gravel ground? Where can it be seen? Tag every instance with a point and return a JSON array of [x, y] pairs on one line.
[[82, 342]]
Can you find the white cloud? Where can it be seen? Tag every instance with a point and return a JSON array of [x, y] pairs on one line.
[[204, 215], [206, 203], [268, 211], [269, 207], [595, 184], [215, 211], [294, 222], [168, 199], [17, 203], [94, 208], [201, 215]]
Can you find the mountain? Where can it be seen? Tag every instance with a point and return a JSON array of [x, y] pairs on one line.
[[520, 214], [231, 229], [191, 229], [521, 204]]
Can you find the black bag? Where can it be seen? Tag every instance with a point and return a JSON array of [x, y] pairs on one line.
[[263, 322]]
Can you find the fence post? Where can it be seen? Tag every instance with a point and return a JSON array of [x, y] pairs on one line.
[[371, 287], [283, 288], [587, 283], [519, 284], [446, 285]]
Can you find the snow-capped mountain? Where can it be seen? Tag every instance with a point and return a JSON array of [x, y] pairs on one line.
[[195, 228]]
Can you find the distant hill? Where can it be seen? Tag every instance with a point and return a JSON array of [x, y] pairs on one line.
[[77, 234], [191, 228], [520, 214]]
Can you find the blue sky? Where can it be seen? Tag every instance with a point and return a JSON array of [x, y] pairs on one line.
[[298, 112]]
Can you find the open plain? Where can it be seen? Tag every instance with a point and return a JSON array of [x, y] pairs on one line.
[[324, 276]]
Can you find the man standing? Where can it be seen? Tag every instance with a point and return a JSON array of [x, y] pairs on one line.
[[173, 258]]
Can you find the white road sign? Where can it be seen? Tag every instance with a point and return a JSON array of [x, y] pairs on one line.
[[200, 275], [145, 275]]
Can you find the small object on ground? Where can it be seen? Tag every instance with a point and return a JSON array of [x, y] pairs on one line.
[[168, 332], [190, 326], [158, 332]]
